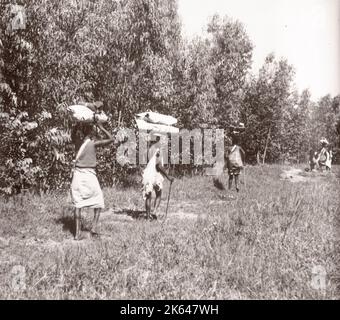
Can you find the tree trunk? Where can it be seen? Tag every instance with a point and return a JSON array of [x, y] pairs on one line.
[[258, 157], [266, 147]]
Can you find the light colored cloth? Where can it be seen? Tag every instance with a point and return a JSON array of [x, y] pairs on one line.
[[85, 189], [153, 179], [235, 158], [323, 157], [313, 160], [328, 162], [324, 141], [82, 113]]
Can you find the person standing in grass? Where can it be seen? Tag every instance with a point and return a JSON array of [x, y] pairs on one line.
[[324, 155], [235, 161], [85, 188], [153, 177]]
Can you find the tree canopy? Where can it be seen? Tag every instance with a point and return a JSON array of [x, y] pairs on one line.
[[130, 54]]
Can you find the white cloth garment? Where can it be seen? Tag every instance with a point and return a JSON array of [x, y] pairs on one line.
[[85, 189], [153, 179]]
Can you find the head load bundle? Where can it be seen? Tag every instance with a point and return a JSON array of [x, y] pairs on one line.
[[237, 129], [87, 112], [156, 123]]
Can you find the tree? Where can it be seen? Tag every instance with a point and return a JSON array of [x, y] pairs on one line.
[[122, 52], [325, 119], [267, 96], [296, 130], [198, 87], [230, 58]]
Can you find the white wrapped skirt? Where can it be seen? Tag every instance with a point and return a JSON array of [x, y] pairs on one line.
[[85, 189]]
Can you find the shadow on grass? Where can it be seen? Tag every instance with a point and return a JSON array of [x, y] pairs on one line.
[[68, 224], [135, 214]]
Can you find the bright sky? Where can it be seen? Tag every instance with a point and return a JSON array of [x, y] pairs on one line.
[[306, 32]]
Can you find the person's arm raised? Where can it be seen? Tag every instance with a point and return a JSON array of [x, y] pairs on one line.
[[162, 170], [109, 138]]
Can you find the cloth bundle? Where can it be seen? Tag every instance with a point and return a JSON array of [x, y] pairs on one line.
[[157, 118], [86, 113], [156, 122]]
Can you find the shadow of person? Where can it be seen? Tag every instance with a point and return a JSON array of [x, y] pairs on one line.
[[68, 224], [135, 214]]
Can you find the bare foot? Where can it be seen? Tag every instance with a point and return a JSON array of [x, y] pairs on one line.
[[153, 217], [94, 233], [78, 237]]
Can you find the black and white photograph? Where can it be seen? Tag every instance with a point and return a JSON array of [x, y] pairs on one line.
[[169, 150]]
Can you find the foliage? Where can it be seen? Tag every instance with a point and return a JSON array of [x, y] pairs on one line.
[[130, 55], [267, 98], [230, 56], [117, 51]]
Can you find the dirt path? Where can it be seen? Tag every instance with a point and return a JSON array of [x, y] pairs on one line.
[[187, 211], [181, 210], [298, 175], [293, 175], [184, 210]]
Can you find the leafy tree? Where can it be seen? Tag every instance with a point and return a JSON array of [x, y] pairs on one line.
[[325, 117], [198, 87], [267, 96], [230, 57], [130, 55], [296, 130], [121, 52]]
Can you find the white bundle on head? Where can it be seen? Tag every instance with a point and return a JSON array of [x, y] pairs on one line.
[[81, 113], [324, 141], [157, 118], [156, 123]]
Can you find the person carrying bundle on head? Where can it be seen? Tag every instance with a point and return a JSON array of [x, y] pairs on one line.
[[85, 188], [324, 157], [153, 177]]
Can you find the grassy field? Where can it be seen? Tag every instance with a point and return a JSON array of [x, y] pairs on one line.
[[260, 243]]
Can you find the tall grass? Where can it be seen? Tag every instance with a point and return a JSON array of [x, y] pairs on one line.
[[261, 243]]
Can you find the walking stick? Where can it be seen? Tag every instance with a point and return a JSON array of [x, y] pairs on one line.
[[167, 205], [244, 177]]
